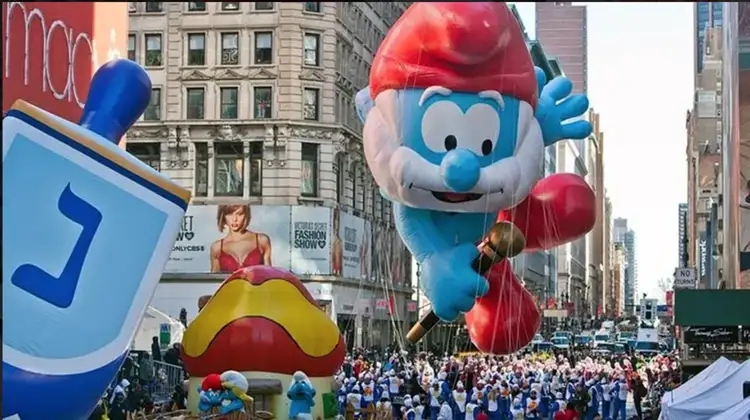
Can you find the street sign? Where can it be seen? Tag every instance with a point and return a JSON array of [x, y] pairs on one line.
[[684, 278]]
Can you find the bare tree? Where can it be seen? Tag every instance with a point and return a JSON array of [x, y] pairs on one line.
[[664, 284]]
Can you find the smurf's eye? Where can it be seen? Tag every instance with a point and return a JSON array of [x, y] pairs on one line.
[[487, 147], [450, 142], [482, 129], [443, 125]]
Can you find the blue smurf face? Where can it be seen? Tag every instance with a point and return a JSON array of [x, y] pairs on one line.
[[459, 152], [440, 124]]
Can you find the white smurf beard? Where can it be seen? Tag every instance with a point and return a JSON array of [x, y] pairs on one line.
[[406, 177]]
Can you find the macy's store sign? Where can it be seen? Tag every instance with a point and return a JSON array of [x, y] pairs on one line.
[[51, 50]]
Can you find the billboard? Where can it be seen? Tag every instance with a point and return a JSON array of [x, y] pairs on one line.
[[350, 257], [311, 240], [52, 49], [224, 238], [305, 240]]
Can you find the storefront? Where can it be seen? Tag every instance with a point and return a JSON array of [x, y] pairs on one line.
[[347, 324]]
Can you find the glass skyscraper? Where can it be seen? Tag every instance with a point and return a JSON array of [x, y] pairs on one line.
[[707, 15]]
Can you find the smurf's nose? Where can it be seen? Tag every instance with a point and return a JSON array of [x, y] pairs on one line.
[[460, 170]]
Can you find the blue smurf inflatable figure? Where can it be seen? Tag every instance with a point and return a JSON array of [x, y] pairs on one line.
[[301, 395], [209, 393], [234, 396], [455, 131]]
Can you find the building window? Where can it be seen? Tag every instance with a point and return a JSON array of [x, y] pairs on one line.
[[309, 187], [228, 103], [310, 111], [132, 47], [359, 199], [196, 50], [201, 169], [383, 209], [230, 6], [132, 7], [312, 49], [353, 174], [262, 105], [197, 6], [153, 110], [229, 169], [263, 5], [148, 153], [340, 178], [312, 6], [263, 402], [153, 7], [230, 53], [376, 203], [153, 50], [263, 47], [195, 103], [256, 169]]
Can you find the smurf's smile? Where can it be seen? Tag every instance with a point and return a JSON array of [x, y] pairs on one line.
[[452, 197]]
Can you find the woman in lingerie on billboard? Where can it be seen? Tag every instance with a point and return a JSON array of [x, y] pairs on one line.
[[337, 254], [240, 247]]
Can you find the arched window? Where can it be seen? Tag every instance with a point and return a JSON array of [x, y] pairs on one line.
[[340, 170], [359, 198], [375, 202]]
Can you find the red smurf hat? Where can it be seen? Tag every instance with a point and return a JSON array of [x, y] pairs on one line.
[[211, 382], [465, 47]]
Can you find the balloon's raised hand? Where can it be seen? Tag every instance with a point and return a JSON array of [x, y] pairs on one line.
[[556, 105]]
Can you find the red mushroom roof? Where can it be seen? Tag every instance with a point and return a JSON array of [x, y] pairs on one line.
[[262, 319]]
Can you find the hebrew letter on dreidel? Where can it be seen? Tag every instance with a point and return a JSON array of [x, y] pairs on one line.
[[87, 229]]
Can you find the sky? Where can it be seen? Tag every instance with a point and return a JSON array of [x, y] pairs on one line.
[[640, 72]]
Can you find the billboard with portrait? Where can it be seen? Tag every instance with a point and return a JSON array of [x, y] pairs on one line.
[[351, 246], [226, 237]]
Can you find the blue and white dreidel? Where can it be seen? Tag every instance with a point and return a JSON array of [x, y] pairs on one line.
[[87, 230]]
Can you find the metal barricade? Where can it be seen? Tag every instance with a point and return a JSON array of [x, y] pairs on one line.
[[166, 378]]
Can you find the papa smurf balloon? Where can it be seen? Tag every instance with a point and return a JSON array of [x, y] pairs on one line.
[[455, 132]]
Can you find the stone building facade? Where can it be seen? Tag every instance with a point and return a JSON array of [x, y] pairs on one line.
[[253, 102]]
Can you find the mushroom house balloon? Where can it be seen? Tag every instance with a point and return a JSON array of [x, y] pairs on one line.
[[456, 121], [263, 324], [71, 308]]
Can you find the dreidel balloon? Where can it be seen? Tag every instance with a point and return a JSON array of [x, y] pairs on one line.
[[87, 230]]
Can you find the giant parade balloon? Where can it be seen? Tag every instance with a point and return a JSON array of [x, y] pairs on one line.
[[456, 124], [87, 229]]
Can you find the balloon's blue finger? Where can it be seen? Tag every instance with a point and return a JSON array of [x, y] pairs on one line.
[[573, 106], [558, 88], [364, 103], [446, 314], [541, 79], [576, 130], [481, 286], [465, 303]]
